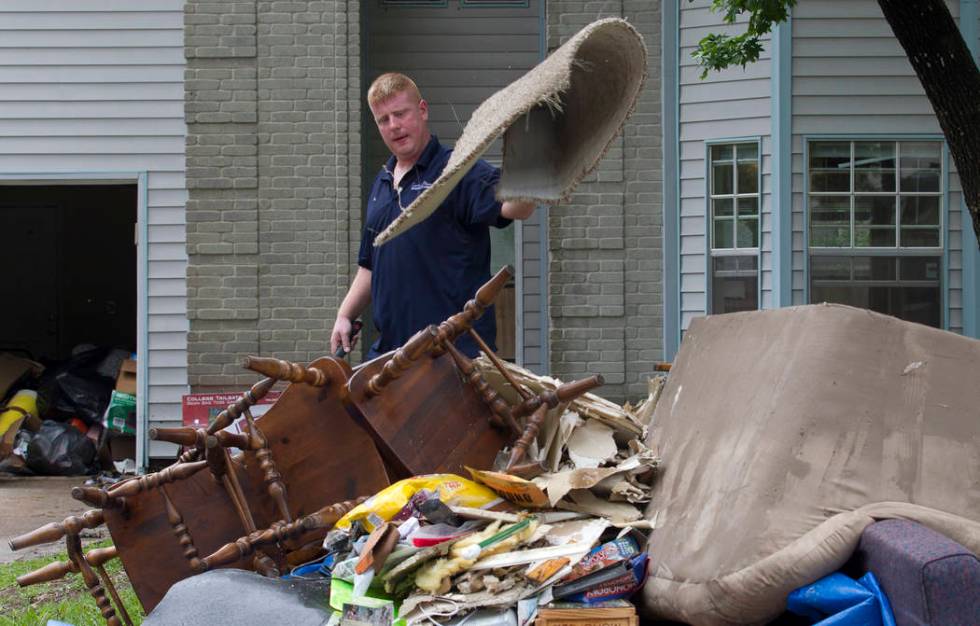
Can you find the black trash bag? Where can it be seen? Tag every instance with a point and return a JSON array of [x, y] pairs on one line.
[[75, 388], [60, 450]]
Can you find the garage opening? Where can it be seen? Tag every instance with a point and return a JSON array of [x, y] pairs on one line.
[[69, 307]]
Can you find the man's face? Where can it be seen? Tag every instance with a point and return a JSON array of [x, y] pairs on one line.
[[403, 124]]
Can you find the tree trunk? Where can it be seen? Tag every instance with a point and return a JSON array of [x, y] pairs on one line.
[[951, 80]]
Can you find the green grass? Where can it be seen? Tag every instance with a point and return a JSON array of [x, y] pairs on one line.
[[66, 600]]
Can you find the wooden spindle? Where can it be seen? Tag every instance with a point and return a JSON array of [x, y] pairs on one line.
[[420, 343], [181, 436], [175, 472], [544, 401], [93, 496], [58, 530], [564, 393], [530, 432], [524, 393], [278, 533], [59, 569], [180, 531], [228, 439], [249, 399], [270, 472], [498, 406], [661, 366], [91, 579], [113, 593], [51, 571], [285, 370], [473, 309]]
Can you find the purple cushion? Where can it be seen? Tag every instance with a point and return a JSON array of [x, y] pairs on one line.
[[928, 578]]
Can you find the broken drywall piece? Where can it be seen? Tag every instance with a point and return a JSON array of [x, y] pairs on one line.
[[585, 501], [567, 423], [591, 445], [557, 485]]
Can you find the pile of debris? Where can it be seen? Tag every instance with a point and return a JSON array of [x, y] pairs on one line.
[[68, 417], [504, 548]]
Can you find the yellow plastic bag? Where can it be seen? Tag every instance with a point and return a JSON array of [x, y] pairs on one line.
[[453, 490]]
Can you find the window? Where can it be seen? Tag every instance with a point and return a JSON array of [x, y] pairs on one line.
[[875, 218], [734, 208]]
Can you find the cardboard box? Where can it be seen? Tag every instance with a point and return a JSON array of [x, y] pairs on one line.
[[619, 616], [122, 447], [126, 380]]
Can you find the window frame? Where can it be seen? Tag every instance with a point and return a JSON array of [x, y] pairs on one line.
[[710, 252], [897, 251]]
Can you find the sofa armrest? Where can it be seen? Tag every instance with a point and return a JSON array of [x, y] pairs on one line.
[[928, 578]]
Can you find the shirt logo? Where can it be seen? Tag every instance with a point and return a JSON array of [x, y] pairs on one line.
[[420, 186]]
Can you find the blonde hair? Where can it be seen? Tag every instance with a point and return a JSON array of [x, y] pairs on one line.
[[387, 85]]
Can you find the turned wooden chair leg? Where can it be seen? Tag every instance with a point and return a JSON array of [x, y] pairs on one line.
[[273, 479], [285, 370], [419, 344], [180, 531], [456, 325], [498, 406], [91, 579], [279, 533]]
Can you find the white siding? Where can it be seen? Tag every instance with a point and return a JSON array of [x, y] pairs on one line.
[[851, 77], [727, 104], [96, 86]]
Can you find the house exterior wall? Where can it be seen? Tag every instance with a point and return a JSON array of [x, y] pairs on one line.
[[273, 161], [459, 55], [834, 71], [605, 243], [851, 77], [93, 87], [734, 103], [263, 79]]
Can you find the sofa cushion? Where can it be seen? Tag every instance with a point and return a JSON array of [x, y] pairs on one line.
[[929, 578]]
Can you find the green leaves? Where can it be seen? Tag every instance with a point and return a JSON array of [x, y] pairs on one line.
[[718, 51]]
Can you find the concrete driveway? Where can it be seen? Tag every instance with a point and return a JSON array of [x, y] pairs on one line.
[[27, 503]]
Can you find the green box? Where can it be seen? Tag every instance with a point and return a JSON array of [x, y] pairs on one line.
[[120, 416]]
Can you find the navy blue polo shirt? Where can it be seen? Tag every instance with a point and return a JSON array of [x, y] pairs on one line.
[[427, 273]]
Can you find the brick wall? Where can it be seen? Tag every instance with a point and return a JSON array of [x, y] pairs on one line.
[[606, 243], [273, 173]]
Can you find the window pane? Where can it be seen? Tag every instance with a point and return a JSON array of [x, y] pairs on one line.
[[921, 165], [724, 236], [920, 210], [734, 284], [830, 221], [721, 153], [721, 179], [920, 237], [747, 152], [830, 268], [920, 268], [874, 221], [748, 177], [722, 207], [874, 166], [748, 206], [874, 268], [830, 166], [917, 297], [748, 233]]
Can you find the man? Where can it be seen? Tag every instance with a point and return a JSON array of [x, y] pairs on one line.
[[429, 272]]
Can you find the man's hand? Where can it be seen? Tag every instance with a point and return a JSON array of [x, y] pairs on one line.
[[341, 335], [517, 209]]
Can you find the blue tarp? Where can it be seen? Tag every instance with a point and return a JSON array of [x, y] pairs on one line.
[[838, 600]]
